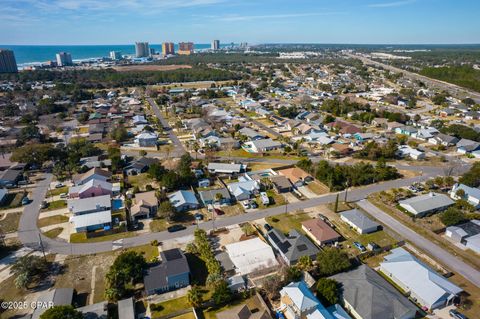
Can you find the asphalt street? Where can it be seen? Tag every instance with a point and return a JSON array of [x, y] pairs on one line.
[[433, 250]]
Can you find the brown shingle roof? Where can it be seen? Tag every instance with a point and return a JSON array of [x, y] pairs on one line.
[[320, 230]]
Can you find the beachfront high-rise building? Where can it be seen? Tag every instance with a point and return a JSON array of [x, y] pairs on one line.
[[168, 48], [215, 45], [115, 55], [142, 49], [64, 59], [185, 48], [8, 64]]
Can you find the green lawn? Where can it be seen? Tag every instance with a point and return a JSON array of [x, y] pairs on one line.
[[52, 220], [82, 237], [157, 225], [288, 221], [148, 251], [56, 204], [168, 307], [140, 181], [9, 224], [53, 233], [57, 191]]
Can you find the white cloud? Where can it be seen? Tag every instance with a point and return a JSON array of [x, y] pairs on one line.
[[232, 18], [391, 4]]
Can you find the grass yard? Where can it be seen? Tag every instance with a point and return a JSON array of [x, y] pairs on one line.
[[53, 233], [232, 210], [9, 223], [318, 188], [252, 303], [140, 181], [342, 206], [261, 166], [9, 292], [52, 220], [148, 251], [168, 307], [265, 121], [56, 204], [57, 191], [82, 237], [159, 224], [275, 200], [189, 315], [288, 221]]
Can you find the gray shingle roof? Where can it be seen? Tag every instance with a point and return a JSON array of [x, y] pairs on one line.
[[293, 246], [372, 296], [427, 202], [359, 219]]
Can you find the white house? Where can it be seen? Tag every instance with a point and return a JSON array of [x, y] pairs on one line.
[[425, 204], [146, 139], [472, 195], [358, 221], [263, 145], [407, 151], [251, 255]]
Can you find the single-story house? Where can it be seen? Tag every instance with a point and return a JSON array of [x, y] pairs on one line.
[[406, 130], [251, 134], [472, 194], [242, 312], [244, 189], [467, 234], [92, 188], [10, 177], [366, 295], [215, 196], [443, 139], [263, 145], [320, 232], [140, 166], [81, 206], [281, 184], [358, 221], [3, 194], [57, 297], [465, 146], [226, 168], [426, 204], [126, 308], [251, 255], [144, 205], [97, 310], [172, 273], [183, 200], [424, 285], [94, 173], [407, 151], [293, 246], [92, 221], [296, 175]]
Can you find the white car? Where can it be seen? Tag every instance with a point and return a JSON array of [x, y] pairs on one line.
[[264, 198], [246, 204]]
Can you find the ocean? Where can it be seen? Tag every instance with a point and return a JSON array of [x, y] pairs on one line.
[[31, 54]]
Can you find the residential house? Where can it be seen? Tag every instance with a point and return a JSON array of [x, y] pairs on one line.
[[183, 200], [242, 312], [10, 177], [126, 308], [379, 122], [244, 189], [252, 135], [472, 194], [3, 195], [146, 139], [281, 184], [92, 174], [293, 246], [465, 146], [344, 128], [219, 196], [145, 205], [426, 204], [97, 310], [251, 255], [298, 302], [172, 273], [93, 188], [366, 295], [358, 221], [226, 168], [296, 175], [407, 151], [140, 165], [466, 234], [139, 119], [341, 150], [423, 284], [406, 130], [425, 134], [320, 232], [363, 137], [57, 297], [443, 139], [446, 112], [262, 145]]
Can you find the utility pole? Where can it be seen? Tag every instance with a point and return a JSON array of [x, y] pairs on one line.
[[41, 246]]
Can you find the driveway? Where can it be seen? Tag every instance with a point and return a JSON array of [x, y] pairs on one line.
[[433, 250]]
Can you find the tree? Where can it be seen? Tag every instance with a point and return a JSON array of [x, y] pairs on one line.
[[472, 177], [327, 291], [292, 273], [127, 269], [452, 216], [28, 269], [61, 312], [221, 294], [166, 210], [33, 154], [332, 261], [195, 297], [305, 263], [272, 285], [460, 193]]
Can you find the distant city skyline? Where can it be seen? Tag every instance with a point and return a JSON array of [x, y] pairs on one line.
[[80, 22]]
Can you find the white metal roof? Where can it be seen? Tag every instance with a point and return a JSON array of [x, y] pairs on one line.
[[250, 255]]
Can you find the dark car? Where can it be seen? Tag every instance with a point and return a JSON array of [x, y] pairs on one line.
[[457, 315], [218, 211], [268, 227], [176, 228]]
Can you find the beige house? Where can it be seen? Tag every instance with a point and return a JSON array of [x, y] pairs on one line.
[[144, 205]]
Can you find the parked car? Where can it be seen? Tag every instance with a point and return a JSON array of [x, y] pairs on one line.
[[359, 246], [218, 211], [176, 228], [246, 204], [253, 204], [25, 201], [44, 204], [457, 315], [267, 227], [199, 216], [59, 185], [265, 199], [63, 195]]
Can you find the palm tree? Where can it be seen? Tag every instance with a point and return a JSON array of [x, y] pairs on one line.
[[194, 297]]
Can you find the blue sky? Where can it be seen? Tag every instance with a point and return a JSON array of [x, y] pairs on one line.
[[254, 21]]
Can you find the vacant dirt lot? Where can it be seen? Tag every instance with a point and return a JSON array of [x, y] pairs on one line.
[[151, 67]]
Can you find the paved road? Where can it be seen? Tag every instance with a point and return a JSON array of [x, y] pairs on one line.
[[178, 150], [451, 88], [28, 231], [433, 250]]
